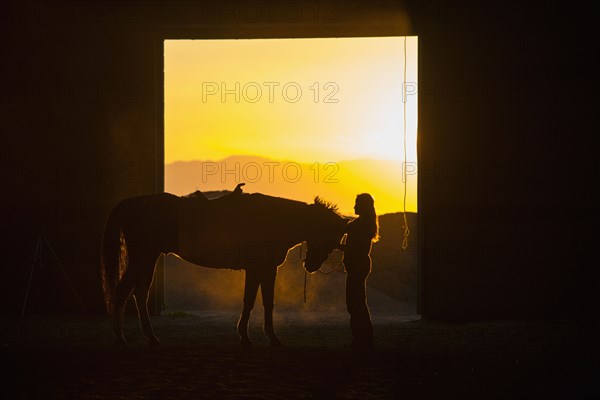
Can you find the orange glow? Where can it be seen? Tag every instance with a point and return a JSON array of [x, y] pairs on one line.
[[331, 106]]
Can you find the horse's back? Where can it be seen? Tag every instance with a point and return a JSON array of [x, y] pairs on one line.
[[240, 231], [149, 200]]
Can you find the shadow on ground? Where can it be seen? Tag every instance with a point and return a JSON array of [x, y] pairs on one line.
[[60, 357]]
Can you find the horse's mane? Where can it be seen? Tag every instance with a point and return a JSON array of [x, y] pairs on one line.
[[269, 201], [259, 198], [327, 205], [319, 202]]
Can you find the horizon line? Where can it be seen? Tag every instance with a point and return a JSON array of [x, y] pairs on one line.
[[287, 198], [284, 159]]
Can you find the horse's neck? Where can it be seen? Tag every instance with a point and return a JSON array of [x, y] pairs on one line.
[[302, 225], [294, 222]]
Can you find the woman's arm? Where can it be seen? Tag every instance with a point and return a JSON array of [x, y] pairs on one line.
[[342, 244]]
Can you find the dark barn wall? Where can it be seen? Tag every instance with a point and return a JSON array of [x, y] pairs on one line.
[[505, 104], [506, 175], [78, 135]]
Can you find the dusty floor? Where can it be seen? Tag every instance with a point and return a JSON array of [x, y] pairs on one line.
[[74, 358]]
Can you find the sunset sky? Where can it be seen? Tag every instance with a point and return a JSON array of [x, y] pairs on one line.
[[303, 100]]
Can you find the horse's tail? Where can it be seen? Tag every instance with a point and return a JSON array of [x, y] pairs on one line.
[[113, 259]]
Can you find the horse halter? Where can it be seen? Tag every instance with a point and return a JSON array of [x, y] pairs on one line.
[[338, 266], [303, 247]]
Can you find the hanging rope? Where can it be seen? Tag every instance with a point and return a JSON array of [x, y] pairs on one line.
[[404, 174]]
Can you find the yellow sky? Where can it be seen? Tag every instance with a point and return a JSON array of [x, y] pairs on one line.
[[305, 100]]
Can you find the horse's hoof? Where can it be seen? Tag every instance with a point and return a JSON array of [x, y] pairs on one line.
[[245, 342]]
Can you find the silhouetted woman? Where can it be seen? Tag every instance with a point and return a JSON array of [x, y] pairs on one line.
[[361, 231]]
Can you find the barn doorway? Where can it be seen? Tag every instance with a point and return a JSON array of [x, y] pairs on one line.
[[296, 118]]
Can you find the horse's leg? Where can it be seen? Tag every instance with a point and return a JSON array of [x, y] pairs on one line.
[[267, 288], [140, 295], [123, 291], [250, 290]]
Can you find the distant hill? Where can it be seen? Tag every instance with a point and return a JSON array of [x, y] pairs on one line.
[[336, 182], [395, 271]]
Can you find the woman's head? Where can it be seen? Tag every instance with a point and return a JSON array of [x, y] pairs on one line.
[[365, 208], [364, 204]]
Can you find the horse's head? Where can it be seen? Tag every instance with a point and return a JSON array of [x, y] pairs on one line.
[[326, 228]]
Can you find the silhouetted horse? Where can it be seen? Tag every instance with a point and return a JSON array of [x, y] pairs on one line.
[[238, 231]]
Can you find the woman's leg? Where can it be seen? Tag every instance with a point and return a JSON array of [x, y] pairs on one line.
[[356, 302]]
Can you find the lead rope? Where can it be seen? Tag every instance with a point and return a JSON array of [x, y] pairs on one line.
[[305, 274], [303, 259]]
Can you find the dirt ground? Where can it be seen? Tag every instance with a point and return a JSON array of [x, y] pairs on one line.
[[200, 357]]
